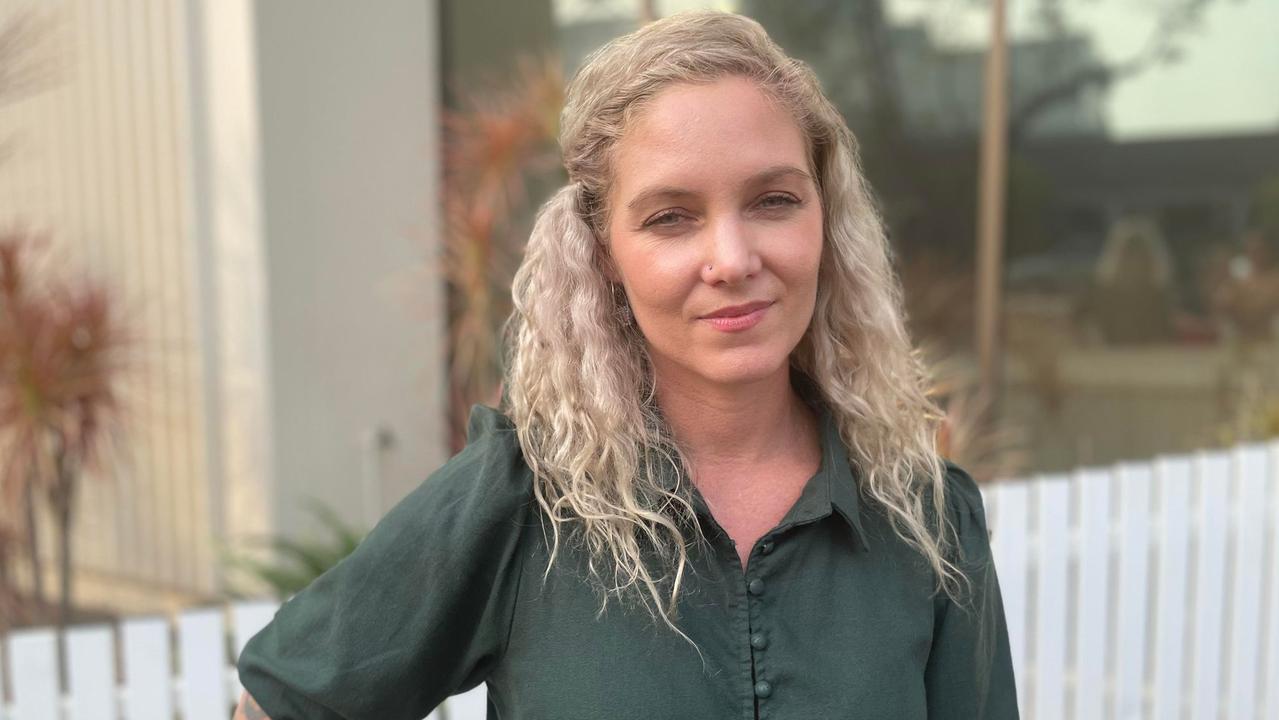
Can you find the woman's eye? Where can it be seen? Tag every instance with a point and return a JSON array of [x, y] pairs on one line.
[[777, 200], [664, 219]]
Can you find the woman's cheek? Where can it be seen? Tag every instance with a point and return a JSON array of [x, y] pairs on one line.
[[670, 277], [803, 257]]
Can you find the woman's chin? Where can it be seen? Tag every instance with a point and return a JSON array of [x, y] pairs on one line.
[[745, 368]]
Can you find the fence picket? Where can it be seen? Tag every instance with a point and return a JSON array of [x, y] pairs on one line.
[[201, 646], [1093, 486], [470, 705], [1270, 703], [33, 668], [91, 673], [247, 619], [1053, 500], [1171, 637], [1134, 549], [1213, 484], [1245, 616], [1270, 679], [148, 677], [1008, 546]]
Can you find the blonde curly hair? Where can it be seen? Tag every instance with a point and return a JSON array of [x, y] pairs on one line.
[[580, 384]]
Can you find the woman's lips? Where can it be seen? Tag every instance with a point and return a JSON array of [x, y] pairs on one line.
[[738, 323]]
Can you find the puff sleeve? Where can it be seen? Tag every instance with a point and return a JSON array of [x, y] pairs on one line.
[[969, 674], [419, 611]]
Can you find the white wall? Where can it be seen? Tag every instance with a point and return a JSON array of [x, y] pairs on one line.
[[256, 178], [347, 96], [100, 157]]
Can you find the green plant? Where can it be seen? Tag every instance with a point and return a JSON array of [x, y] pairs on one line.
[[290, 565], [1252, 400]]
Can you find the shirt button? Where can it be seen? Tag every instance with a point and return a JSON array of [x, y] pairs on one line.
[[758, 641], [763, 689], [756, 587], [767, 547]]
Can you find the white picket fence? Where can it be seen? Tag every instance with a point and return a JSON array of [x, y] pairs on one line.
[[202, 688], [1144, 590], [170, 670]]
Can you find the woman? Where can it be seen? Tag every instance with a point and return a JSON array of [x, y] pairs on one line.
[[714, 491]]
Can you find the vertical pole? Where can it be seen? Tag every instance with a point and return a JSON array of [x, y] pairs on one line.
[[374, 444], [647, 11], [990, 210]]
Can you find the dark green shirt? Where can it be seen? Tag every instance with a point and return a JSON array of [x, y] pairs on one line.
[[834, 617]]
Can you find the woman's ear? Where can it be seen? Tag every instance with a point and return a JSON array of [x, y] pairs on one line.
[[606, 264]]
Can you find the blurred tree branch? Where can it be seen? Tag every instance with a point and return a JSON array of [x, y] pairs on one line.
[[1164, 45], [25, 66]]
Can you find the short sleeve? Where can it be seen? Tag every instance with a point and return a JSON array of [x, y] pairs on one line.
[[969, 675], [419, 611]]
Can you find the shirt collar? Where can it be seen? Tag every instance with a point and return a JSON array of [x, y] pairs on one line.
[[842, 480], [833, 490]]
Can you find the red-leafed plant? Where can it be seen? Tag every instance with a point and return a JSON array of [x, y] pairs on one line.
[[498, 146], [63, 355]]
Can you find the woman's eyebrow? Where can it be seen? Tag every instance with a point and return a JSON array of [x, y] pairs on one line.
[[656, 192], [776, 172], [767, 175]]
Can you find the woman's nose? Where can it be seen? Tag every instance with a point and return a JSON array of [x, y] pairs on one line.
[[730, 256]]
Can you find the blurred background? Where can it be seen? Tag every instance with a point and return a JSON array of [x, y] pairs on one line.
[[254, 254]]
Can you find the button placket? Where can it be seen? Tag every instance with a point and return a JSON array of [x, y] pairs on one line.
[[745, 611], [758, 640]]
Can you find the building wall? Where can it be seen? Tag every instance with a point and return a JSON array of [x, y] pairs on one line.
[[257, 179], [99, 158], [348, 98]]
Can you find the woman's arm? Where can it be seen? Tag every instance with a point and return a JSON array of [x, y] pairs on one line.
[[249, 710], [970, 673], [420, 610]]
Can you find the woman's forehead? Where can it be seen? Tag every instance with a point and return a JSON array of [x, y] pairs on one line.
[[708, 132]]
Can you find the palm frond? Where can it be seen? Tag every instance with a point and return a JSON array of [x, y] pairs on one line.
[[283, 565]]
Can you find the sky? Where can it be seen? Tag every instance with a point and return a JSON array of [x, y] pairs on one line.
[[1226, 83]]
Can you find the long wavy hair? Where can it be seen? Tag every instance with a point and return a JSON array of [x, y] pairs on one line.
[[580, 384]]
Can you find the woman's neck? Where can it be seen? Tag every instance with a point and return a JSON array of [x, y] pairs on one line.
[[719, 425]]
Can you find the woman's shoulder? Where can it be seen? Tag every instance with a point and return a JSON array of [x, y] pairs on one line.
[[963, 495], [491, 443], [486, 480], [967, 512]]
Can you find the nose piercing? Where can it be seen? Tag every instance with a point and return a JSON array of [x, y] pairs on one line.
[[709, 268]]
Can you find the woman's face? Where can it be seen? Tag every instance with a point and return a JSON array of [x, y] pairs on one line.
[[715, 231]]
